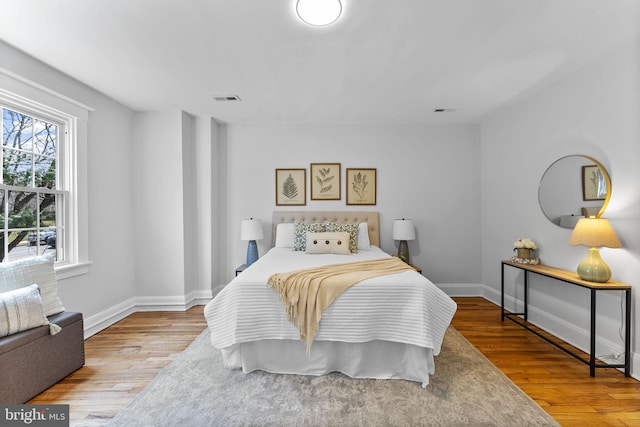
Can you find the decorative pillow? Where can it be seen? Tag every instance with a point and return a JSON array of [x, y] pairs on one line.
[[363, 237], [21, 309], [285, 235], [328, 243], [352, 229], [24, 272], [300, 242]]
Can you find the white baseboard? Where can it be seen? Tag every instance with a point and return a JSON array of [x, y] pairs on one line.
[[173, 303], [462, 289], [104, 319]]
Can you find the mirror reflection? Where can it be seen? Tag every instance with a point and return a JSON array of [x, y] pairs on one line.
[[573, 187]]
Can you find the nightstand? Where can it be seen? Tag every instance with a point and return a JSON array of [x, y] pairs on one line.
[[415, 267], [240, 269]]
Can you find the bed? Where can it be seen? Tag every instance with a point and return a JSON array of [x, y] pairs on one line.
[[390, 326]]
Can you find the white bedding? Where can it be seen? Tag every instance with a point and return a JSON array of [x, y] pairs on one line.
[[404, 308]]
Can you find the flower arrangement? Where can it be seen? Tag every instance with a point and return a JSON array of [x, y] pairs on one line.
[[525, 243], [524, 248]]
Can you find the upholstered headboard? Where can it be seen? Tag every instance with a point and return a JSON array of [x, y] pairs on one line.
[[344, 217]]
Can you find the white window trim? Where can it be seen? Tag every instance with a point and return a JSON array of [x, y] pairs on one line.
[[18, 90]]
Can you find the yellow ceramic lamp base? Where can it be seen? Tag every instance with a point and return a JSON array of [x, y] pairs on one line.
[[593, 268]]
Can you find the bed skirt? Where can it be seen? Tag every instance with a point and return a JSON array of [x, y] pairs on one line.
[[373, 359]]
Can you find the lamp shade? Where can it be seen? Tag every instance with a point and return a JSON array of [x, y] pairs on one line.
[[251, 229], [403, 229], [594, 232]]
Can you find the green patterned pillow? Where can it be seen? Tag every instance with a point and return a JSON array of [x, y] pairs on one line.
[[352, 229], [300, 239]]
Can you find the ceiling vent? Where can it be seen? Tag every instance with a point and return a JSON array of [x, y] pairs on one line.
[[227, 98]]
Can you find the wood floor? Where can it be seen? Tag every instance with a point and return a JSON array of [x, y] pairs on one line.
[[559, 383], [123, 359], [120, 361]]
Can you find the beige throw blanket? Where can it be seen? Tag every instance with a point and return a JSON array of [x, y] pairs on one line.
[[307, 292]]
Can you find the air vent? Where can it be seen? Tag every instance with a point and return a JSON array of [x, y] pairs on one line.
[[227, 98], [444, 110]]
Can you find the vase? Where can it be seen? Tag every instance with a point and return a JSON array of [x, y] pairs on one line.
[[524, 253]]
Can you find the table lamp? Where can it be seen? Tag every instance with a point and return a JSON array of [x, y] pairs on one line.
[[251, 230], [403, 230], [594, 232]]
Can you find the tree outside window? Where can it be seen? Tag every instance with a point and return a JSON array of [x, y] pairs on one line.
[[30, 196]]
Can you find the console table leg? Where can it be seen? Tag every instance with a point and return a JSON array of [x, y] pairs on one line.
[[592, 346], [502, 293], [627, 333], [526, 295]]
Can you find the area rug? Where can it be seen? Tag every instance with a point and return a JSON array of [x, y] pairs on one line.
[[466, 389]]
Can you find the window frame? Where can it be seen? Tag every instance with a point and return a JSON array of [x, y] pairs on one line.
[[34, 99], [60, 182]]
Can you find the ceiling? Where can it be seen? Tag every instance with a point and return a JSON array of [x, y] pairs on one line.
[[381, 62]]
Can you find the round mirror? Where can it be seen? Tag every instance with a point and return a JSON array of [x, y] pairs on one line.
[[574, 187]]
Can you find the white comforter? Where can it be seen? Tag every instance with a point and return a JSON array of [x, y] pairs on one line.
[[404, 307]]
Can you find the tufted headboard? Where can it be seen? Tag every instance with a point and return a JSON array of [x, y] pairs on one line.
[[371, 218]]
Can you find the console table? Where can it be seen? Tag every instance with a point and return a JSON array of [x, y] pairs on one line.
[[573, 279]]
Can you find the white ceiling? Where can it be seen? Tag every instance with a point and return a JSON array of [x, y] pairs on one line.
[[383, 62]]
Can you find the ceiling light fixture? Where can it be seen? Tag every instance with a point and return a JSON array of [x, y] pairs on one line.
[[319, 12]]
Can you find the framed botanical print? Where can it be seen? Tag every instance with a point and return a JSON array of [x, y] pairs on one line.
[[594, 184], [325, 181], [361, 186], [291, 187]]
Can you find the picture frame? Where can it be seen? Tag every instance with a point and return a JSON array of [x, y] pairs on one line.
[[361, 186], [325, 181], [291, 187], [594, 184]]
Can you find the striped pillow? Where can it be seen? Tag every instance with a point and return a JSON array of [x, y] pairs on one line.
[[38, 269], [21, 309]]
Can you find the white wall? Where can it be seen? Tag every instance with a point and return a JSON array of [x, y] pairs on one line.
[[190, 204], [205, 193], [593, 112], [430, 174], [172, 208], [200, 223], [111, 278], [158, 203]]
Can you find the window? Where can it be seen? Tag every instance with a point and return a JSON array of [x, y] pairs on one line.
[[43, 184], [32, 193]]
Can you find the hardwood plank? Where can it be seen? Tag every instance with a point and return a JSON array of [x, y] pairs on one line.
[[559, 383], [124, 358], [121, 361]]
